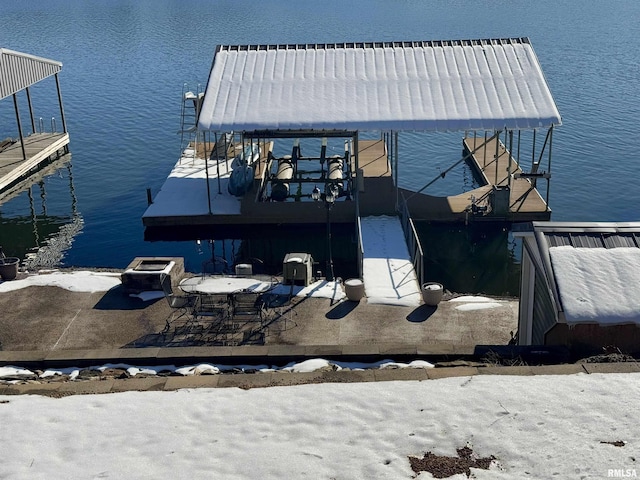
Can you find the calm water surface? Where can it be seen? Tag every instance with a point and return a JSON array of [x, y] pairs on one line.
[[125, 62]]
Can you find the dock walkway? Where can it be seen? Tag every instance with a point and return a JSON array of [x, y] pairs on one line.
[[388, 273]]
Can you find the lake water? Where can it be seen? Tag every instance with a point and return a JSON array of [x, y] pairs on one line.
[[125, 63]]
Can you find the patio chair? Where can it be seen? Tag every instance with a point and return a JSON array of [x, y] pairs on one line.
[[214, 305], [279, 309], [181, 305], [247, 306]]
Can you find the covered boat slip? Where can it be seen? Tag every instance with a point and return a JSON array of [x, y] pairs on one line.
[[21, 156], [487, 88], [352, 92]]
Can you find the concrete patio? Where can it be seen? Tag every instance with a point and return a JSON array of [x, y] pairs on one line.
[[51, 325]]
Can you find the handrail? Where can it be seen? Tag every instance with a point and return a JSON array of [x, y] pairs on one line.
[[412, 240], [53, 125], [360, 247]]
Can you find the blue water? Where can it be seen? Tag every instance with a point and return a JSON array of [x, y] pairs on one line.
[[125, 61]]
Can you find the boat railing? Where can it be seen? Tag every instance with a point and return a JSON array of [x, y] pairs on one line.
[[412, 239]]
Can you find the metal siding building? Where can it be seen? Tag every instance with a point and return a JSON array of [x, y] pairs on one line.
[[542, 306]]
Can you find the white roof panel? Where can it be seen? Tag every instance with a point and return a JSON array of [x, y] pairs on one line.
[[441, 85]]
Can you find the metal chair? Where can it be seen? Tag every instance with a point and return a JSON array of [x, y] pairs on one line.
[[182, 305], [247, 306], [279, 309], [212, 305], [215, 266]]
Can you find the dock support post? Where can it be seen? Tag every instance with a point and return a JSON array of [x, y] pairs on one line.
[[15, 105], [64, 121], [510, 155], [497, 155], [549, 179], [206, 169], [330, 276], [533, 150], [33, 120]]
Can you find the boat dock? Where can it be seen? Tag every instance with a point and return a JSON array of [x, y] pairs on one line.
[[28, 152], [502, 196], [40, 149], [182, 201]]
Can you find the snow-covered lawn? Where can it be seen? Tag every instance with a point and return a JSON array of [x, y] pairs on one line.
[[537, 427]]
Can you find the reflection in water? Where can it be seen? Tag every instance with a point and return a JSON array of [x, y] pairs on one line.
[[473, 259], [476, 258], [43, 235], [263, 246]]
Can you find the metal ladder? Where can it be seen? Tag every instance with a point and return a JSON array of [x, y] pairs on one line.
[[190, 108]]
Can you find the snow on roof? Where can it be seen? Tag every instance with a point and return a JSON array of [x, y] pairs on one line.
[[598, 284], [435, 85], [21, 70]]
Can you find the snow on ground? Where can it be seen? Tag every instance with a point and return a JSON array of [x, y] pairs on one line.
[[388, 272], [472, 302], [85, 281], [536, 427], [310, 365], [79, 281]]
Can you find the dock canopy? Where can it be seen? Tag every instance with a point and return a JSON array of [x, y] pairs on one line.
[[21, 70], [451, 85]]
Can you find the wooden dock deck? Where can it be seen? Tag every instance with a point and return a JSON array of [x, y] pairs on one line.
[[494, 163], [501, 197], [40, 149]]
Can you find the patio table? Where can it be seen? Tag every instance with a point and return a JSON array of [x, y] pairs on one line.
[[223, 284]]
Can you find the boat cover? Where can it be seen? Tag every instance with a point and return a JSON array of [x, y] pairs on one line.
[[425, 86]]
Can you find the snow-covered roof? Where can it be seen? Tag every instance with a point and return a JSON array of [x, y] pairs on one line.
[[21, 70], [427, 85], [593, 270]]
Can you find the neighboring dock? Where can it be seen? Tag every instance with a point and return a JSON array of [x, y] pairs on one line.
[[28, 153], [40, 149]]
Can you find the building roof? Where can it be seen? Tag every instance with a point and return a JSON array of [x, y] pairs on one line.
[[593, 269], [451, 85], [21, 70]]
